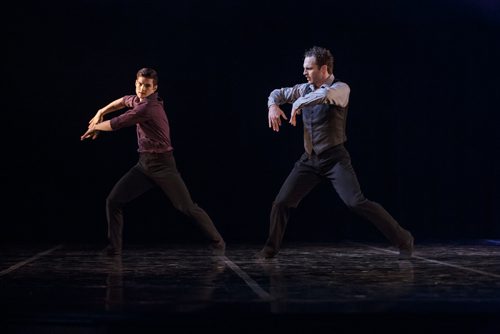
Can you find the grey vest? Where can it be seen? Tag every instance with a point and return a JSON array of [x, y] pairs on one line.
[[324, 126]]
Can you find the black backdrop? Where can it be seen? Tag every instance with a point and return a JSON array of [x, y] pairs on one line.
[[422, 126]]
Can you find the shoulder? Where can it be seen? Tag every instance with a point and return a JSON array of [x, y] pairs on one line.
[[151, 104], [340, 85], [130, 100], [302, 88]]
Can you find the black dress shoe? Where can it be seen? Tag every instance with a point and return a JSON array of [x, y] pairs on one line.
[[110, 251], [219, 249], [406, 249], [265, 254]]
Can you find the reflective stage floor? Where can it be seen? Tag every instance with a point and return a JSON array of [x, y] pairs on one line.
[[341, 287]]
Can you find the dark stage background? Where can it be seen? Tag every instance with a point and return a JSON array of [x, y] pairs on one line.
[[422, 126]]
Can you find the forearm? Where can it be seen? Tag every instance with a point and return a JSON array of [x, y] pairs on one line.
[[103, 126], [284, 95], [95, 128], [337, 95], [113, 106]]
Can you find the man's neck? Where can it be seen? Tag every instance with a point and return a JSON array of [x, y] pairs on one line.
[[323, 81]]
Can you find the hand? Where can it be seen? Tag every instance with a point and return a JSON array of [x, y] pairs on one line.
[[96, 119], [293, 116], [91, 132], [274, 115], [92, 123]]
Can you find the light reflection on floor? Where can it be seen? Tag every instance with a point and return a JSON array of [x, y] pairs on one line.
[[337, 286]]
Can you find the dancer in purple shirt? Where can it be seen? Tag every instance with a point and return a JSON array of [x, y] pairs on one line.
[[156, 165]]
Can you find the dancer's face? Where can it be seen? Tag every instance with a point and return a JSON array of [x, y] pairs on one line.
[[314, 74], [144, 87]]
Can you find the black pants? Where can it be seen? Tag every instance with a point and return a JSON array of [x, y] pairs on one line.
[[333, 165], [155, 169]]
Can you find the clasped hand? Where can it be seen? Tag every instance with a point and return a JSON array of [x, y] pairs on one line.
[[91, 131]]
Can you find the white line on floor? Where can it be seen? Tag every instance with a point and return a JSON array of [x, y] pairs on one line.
[[435, 261], [31, 259], [264, 295]]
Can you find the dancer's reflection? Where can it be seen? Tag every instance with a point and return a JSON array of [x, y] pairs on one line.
[[374, 286], [277, 284], [387, 282], [114, 283], [199, 295], [406, 271]]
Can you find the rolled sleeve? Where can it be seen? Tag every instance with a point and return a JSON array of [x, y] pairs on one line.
[[337, 94], [285, 95], [130, 117]]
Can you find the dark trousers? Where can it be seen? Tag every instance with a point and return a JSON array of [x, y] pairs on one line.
[[155, 169], [333, 165]]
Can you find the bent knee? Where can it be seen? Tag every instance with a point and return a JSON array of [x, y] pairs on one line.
[[283, 204], [113, 202], [187, 209], [355, 202]]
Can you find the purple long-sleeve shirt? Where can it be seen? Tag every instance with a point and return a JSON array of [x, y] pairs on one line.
[[153, 131]]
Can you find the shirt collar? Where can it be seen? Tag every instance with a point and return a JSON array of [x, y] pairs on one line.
[[153, 96], [328, 82]]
